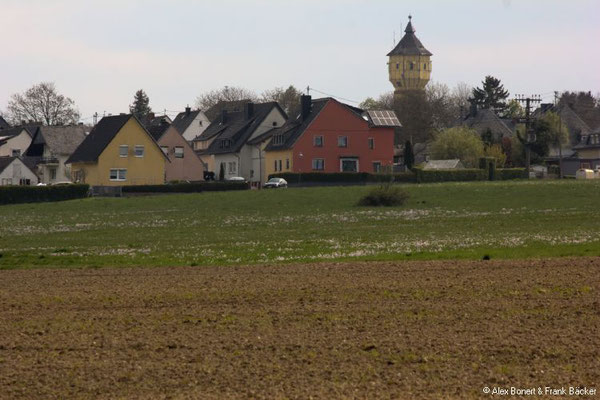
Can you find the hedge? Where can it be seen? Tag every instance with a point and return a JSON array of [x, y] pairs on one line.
[[504, 174], [450, 175], [35, 194], [343, 177], [216, 186]]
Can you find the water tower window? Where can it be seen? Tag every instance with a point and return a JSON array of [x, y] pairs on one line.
[[397, 65], [412, 66], [424, 66]]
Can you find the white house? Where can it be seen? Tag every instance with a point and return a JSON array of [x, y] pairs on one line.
[[191, 123], [14, 141], [236, 140], [50, 147], [13, 171]]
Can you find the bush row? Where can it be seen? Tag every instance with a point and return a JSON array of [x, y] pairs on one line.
[[216, 186], [343, 177], [416, 175], [35, 194]]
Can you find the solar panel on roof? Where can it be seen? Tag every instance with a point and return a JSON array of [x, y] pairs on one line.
[[383, 118]]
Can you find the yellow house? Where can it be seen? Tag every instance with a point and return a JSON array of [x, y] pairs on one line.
[[118, 151]]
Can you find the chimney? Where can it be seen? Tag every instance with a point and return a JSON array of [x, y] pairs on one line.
[[188, 110], [305, 103], [223, 116], [473, 109], [249, 110]]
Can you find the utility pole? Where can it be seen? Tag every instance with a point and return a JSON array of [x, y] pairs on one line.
[[95, 118], [529, 134], [560, 159]]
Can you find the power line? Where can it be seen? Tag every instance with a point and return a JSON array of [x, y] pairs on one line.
[[332, 95]]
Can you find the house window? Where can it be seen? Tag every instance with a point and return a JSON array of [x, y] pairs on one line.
[[281, 169], [278, 139], [371, 143], [274, 123], [123, 150], [52, 173], [16, 152], [24, 182], [165, 149], [376, 166], [6, 181], [342, 141], [318, 164], [287, 163], [412, 66], [225, 143], [178, 151], [318, 141], [200, 122], [275, 165], [118, 174], [139, 151], [348, 165], [232, 167]]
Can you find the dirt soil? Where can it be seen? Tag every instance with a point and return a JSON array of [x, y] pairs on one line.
[[344, 330]]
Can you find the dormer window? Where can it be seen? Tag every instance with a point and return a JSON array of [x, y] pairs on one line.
[[278, 139]]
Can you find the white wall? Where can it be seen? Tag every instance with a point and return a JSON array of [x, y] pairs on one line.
[[19, 142], [197, 126], [16, 171]]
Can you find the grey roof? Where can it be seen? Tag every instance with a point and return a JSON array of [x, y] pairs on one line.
[[237, 128], [60, 140], [230, 106], [183, 120], [443, 164], [487, 119], [410, 45], [590, 140], [3, 124], [157, 130]]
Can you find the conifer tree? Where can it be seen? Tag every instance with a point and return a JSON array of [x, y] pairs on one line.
[[141, 105], [409, 155], [491, 96]]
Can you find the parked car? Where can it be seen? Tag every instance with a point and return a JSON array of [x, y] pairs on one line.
[[237, 179], [61, 183], [276, 183]]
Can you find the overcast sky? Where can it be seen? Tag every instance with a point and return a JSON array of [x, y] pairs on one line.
[[100, 52]]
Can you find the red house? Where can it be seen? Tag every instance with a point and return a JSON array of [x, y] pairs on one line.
[[329, 136]]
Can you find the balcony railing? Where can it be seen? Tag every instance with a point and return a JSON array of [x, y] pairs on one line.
[[49, 160]]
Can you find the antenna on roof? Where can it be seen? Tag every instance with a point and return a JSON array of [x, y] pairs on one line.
[[308, 90], [394, 39]]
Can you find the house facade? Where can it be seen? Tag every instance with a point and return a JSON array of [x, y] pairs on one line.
[[184, 165], [14, 171], [329, 136], [236, 141], [15, 141], [119, 151], [50, 148], [190, 124]]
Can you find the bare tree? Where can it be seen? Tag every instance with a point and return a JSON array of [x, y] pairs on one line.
[[461, 94], [228, 93], [42, 103], [288, 99]]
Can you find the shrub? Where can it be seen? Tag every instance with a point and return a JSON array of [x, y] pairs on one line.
[[215, 186], [458, 143], [35, 194], [385, 195]]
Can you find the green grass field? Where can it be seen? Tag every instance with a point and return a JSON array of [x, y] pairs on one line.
[[440, 221]]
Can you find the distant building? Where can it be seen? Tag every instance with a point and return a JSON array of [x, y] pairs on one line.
[[190, 124], [184, 165], [118, 151], [329, 136], [50, 148], [443, 164], [237, 140], [14, 171], [3, 124], [409, 63], [15, 141], [488, 124]]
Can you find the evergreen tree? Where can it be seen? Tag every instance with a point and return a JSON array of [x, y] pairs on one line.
[[141, 105], [409, 155], [491, 96], [222, 172]]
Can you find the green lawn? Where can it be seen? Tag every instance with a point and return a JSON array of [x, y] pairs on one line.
[[450, 220]]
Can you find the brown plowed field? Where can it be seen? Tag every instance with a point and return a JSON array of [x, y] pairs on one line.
[[355, 330]]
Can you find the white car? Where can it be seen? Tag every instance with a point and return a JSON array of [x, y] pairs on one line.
[[237, 179], [276, 183]]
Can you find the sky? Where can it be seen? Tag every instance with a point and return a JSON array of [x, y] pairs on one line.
[[100, 52]]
